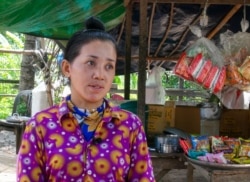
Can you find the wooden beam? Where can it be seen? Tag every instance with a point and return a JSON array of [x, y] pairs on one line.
[[28, 52], [155, 58], [142, 61], [229, 2], [171, 16], [126, 2], [128, 44], [224, 21], [150, 26]]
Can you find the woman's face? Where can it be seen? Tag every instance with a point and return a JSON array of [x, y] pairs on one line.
[[91, 73]]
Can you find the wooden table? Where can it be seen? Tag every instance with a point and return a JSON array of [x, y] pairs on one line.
[[215, 172], [163, 163]]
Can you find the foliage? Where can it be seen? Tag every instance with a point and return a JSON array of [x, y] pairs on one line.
[[9, 70]]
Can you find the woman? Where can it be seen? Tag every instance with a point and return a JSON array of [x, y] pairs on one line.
[[84, 138]]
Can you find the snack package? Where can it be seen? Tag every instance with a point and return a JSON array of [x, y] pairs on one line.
[[220, 81], [204, 71], [181, 68], [185, 145], [210, 80], [245, 68], [195, 65], [233, 143], [217, 158], [244, 150], [200, 143], [218, 145], [241, 160]]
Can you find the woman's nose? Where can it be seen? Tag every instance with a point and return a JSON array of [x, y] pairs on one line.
[[98, 73]]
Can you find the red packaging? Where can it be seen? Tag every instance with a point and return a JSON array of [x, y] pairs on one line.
[[211, 77], [181, 68], [220, 80], [204, 71], [196, 65]]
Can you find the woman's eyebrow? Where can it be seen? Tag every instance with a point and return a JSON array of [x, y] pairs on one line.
[[96, 57]]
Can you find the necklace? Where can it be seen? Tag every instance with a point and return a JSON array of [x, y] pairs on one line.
[[88, 120]]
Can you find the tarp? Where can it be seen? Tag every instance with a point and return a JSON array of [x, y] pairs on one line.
[[57, 19]]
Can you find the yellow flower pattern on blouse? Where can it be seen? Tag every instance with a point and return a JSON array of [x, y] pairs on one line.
[[54, 149]]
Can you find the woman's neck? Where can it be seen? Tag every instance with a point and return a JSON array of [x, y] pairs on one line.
[[90, 106]]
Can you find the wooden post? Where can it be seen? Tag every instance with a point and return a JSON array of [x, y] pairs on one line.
[[142, 60], [128, 51]]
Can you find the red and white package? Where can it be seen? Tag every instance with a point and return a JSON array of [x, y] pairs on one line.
[[211, 77], [203, 73], [220, 81], [181, 67], [196, 65]]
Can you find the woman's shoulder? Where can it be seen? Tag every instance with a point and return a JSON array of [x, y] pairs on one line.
[[45, 114]]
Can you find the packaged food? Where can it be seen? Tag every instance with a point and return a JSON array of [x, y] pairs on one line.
[[220, 80], [195, 65], [218, 146], [200, 143], [181, 67], [205, 69], [245, 68], [211, 78]]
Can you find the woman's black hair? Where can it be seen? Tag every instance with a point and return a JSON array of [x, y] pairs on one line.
[[95, 30]]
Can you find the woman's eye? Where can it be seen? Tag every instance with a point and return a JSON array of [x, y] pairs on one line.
[[91, 63], [110, 66]]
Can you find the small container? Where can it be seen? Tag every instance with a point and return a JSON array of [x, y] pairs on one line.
[[165, 148], [159, 141]]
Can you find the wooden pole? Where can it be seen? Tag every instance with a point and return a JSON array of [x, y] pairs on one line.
[[142, 61], [224, 21], [128, 50]]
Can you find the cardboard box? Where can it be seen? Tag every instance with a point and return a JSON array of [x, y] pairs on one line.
[[187, 118], [235, 123], [170, 113], [156, 119]]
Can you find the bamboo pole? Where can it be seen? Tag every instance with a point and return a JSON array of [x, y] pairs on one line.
[[224, 21]]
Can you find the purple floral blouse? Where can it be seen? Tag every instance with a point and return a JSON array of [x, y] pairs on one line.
[[53, 149]]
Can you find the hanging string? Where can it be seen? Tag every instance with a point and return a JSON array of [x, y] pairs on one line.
[[244, 23], [204, 17]]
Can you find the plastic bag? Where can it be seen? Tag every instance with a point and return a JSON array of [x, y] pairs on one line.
[[234, 98], [209, 51], [155, 92], [233, 43]]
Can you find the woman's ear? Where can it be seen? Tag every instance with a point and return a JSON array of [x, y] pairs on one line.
[[65, 68]]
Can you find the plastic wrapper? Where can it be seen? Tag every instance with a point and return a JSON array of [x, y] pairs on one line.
[[241, 160], [245, 68], [234, 98], [234, 144], [244, 150], [182, 67], [220, 80], [199, 68], [211, 78], [215, 158], [236, 49], [200, 143], [232, 43], [194, 153], [218, 145], [208, 49], [185, 145], [202, 71]]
